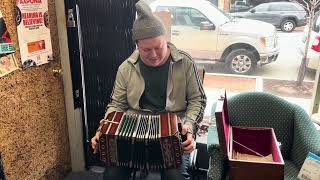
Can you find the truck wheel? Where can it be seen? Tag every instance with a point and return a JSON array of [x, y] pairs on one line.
[[288, 25], [240, 61]]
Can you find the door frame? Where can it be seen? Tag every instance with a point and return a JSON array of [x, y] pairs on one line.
[[74, 115]]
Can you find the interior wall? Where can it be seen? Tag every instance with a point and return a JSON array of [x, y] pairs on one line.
[[33, 129]]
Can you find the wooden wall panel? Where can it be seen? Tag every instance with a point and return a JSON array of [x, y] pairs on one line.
[[33, 129]]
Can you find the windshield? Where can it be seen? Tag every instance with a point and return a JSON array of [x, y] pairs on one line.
[[214, 13]]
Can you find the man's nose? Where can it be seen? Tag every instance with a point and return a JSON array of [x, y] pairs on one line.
[[153, 53]]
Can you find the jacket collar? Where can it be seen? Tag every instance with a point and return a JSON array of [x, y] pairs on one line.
[[176, 56]]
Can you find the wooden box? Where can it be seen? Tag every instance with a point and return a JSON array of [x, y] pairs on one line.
[[252, 153]]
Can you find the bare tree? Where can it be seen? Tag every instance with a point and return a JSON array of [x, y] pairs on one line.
[[310, 6]]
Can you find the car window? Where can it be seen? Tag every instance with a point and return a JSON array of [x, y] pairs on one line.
[[261, 8], [197, 17], [240, 3], [274, 7], [189, 17], [299, 7], [283, 7], [215, 14], [168, 9], [184, 16]]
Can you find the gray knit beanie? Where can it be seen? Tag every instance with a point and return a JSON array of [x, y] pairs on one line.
[[146, 24]]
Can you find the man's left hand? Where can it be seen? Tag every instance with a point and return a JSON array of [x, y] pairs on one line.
[[188, 145]]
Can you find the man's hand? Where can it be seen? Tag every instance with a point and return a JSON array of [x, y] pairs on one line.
[[188, 145], [95, 141]]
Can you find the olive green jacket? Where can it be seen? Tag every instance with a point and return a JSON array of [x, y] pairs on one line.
[[185, 94]]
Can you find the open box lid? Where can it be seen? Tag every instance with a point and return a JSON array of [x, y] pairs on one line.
[[222, 122]]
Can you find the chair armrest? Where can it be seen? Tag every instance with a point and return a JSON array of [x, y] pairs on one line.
[[217, 165], [213, 140], [306, 137]]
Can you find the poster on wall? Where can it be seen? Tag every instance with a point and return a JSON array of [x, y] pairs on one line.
[[7, 64], [7, 58], [6, 46], [33, 32]]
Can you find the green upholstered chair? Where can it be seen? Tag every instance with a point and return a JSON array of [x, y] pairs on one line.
[[292, 125]]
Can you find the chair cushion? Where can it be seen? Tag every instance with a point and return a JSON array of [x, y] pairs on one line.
[[290, 170], [217, 167], [306, 137], [258, 109]]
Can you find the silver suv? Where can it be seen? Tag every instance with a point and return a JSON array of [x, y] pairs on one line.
[[284, 15], [206, 33], [239, 6]]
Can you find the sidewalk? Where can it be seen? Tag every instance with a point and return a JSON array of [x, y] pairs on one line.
[[234, 84]]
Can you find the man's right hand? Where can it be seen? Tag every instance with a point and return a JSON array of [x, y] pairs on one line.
[[95, 141]]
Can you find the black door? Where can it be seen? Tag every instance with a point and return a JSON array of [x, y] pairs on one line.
[[99, 40]]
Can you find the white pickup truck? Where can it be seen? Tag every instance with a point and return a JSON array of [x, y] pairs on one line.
[[206, 33]]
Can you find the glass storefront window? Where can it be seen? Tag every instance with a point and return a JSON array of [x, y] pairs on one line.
[[253, 50]]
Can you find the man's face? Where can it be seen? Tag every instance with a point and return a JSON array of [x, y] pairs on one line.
[[153, 51]]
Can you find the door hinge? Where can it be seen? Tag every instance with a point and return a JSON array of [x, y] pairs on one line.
[[71, 22]]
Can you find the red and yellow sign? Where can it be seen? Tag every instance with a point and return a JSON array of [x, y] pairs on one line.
[[33, 32]]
